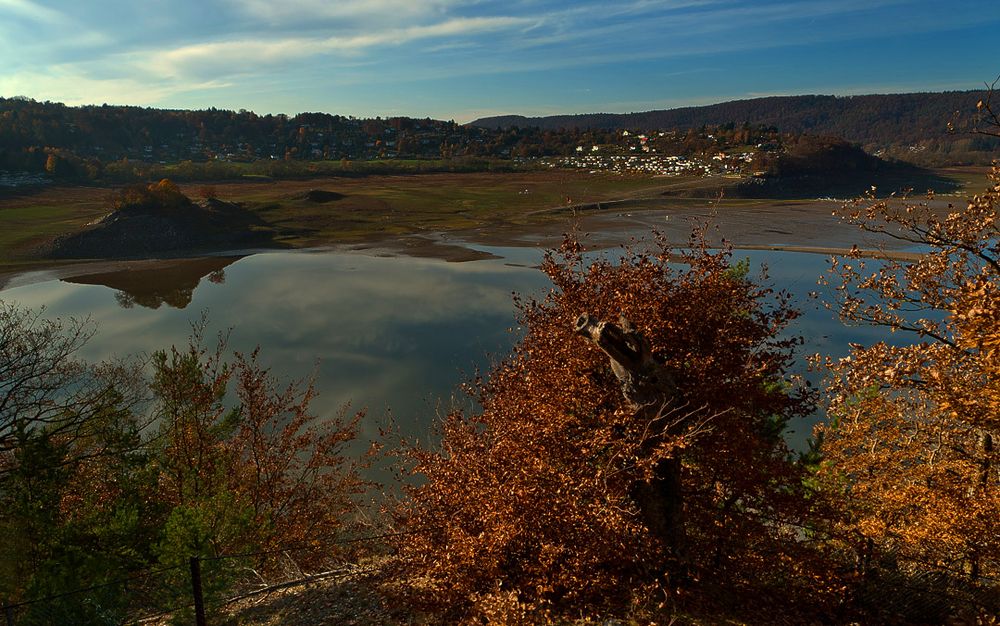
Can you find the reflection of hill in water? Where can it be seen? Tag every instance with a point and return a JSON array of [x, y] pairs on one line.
[[172, 284]]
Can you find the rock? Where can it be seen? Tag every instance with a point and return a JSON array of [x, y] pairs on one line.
[[321, 196], [142, 232]]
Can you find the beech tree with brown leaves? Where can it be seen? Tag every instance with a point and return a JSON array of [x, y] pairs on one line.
[[92, 491], [584, 487], [911, 449]]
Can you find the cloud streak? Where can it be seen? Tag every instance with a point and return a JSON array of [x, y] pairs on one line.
[[240, 56], [31, 10], [71, 86], [381, 11]]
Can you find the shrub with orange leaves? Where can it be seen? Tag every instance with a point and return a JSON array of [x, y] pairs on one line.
[[264, 474], [164, 195], [911, 451], [532, 503]]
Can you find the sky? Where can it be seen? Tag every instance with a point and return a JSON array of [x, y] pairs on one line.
[[464, 59]]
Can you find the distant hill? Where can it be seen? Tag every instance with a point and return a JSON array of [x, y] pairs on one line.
[[915, 120], [127, 144]]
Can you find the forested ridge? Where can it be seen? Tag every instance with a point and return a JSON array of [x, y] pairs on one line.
[[106, 142], [892, 122]]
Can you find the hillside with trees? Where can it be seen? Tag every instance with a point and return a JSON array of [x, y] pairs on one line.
[[152, 219], [128, 144], [810, 165], [912, 126]]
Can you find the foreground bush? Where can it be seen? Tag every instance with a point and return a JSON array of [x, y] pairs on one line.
[[912, 454], [108, 475], [540, 506]]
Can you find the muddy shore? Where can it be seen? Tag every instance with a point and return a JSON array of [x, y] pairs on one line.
[[806, 226]]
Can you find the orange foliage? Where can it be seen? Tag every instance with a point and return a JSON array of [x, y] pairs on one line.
[[912, 447], [162, 195], [527, 511]]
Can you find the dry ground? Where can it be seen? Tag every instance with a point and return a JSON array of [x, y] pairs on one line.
[[420, 214]]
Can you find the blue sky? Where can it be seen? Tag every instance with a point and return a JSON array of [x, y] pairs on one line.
[[462, 59]]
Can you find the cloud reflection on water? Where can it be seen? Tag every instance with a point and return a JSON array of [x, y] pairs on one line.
[[384, 333], [394, 333]]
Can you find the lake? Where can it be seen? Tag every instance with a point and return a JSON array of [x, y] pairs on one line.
[[388, 333]]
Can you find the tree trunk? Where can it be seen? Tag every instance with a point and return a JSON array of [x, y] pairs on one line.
[[649, 390]]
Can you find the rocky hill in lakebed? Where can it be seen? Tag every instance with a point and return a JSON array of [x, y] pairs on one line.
[[157, 220]]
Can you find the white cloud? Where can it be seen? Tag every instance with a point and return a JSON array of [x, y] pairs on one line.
[[66, 84], [239, 56], [32, 11], [383, 11]]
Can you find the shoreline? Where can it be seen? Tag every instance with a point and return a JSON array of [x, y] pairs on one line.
[[416, 247], [418, 219]]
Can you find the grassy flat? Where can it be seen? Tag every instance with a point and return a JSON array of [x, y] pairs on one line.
[[365, 208], [372, 206]]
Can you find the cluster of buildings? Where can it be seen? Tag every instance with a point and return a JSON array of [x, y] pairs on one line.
[[22, 179], [653, 164]]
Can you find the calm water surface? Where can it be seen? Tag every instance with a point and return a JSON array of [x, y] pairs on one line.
[[390, 334]]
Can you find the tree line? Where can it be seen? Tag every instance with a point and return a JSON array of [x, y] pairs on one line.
[[912, 127], [122, 143]]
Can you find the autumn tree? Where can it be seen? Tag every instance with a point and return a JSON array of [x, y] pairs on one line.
[[59, 415], [542, 504], [164, 195], [46, 390], [106, 472], [260, 473], [911, 449]]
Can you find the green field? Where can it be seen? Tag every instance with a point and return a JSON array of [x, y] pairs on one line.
[[368, 207], [27, 223]]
